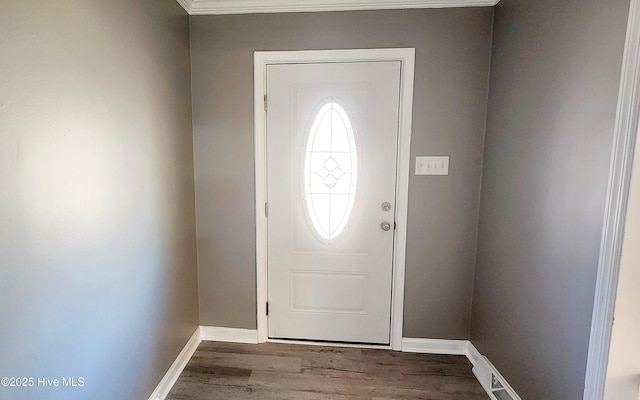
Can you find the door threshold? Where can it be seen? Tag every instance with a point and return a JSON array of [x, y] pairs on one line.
[[331, 344]]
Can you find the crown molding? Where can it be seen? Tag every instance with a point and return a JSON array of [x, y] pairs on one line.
[[186, 4], [219, 7]]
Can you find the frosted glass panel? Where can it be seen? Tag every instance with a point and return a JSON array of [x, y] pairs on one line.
[[330, 172]]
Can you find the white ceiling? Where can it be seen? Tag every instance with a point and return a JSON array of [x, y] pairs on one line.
[[203, 7]]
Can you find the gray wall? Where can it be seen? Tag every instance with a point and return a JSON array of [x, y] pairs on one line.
[[97, 237], [452, 68], [553, 93]]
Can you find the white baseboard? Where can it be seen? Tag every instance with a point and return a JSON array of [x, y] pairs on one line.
[[435, 346], [488, 375], [233, 335], [473, 354], [170, 378]]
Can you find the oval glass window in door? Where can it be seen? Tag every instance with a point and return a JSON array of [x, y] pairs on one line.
[[330, 171]]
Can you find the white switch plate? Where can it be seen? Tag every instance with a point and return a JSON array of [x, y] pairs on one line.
[[432, 165]]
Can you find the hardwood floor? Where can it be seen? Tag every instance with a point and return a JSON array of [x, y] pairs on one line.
[[274, 371]]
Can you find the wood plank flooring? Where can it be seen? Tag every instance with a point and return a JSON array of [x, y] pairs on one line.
[[274, 371]]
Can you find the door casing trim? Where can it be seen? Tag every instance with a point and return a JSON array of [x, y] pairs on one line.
[[622, 158], [407, 58]]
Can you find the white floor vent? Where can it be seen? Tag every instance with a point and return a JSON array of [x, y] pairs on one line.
[[492, 382], [498, 390]]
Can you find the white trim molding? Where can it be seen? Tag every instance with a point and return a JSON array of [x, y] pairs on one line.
[[186, 4], [473, 354], [174, 371], [231, 335], [264, 58], [485, 372], [488, 375], [330, 344], [435, 346], [624, 138], [220, 7]]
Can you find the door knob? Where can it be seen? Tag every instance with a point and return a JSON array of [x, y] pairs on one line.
[[385, 226]]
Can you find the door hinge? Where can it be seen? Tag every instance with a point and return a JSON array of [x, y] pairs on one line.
[[266, 105], [394, 225], [267, 308], [266, 209]]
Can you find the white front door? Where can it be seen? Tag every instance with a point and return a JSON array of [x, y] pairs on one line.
[[332, 137]]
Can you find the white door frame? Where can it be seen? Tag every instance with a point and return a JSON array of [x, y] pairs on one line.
[[625, 133], [407, 58]]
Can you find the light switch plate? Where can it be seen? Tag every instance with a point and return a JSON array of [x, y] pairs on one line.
[[432, 165]]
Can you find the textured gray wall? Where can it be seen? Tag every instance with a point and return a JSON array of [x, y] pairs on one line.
[[97, 237], [451, 85], [553, 95]]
